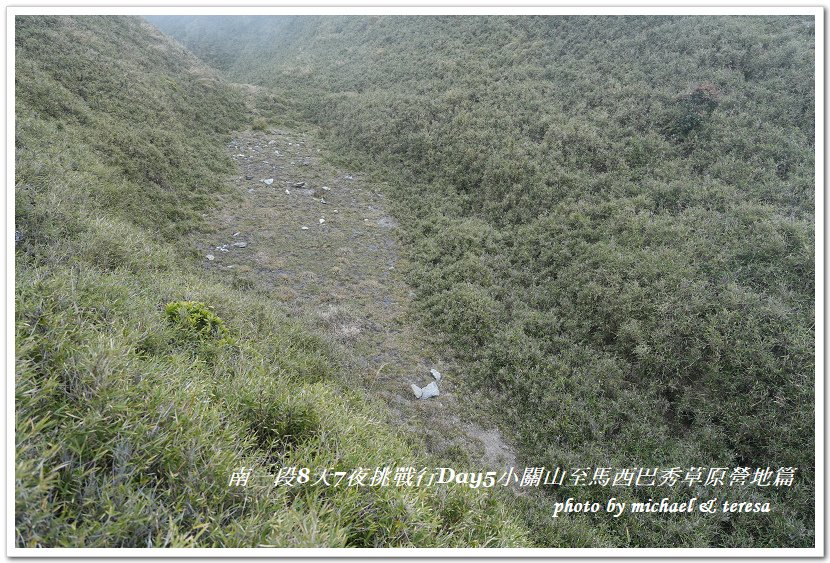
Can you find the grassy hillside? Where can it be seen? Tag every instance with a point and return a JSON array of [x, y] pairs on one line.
[[142, 383], [610, 219]]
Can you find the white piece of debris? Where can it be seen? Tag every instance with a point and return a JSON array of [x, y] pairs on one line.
[[268, 181], [209, 256], [430, 390], [322, 220], [436, 374], [304, 228]]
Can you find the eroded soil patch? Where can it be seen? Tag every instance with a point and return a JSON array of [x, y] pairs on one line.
[[320, 239]]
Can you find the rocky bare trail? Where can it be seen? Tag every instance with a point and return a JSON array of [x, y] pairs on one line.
[[320, 239]]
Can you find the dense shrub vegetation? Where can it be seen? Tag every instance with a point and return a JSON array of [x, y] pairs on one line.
[[610, 219], [141, 383]]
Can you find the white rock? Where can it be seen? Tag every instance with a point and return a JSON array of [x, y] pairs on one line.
[[236, 234], [287, 192], [430, 390], [304, 228], [417, 390], [209, 256], [268, 181], [240, 244], [436, 374], [322, 200], [326, 188], [322, 220]]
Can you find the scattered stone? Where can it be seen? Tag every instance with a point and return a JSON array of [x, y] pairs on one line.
[[268, 181], [236, 234], [299, 184], [240, 244], [336, 211], [430, 390], [304, 228], [287, 192], [249, 177], [210, 257], [349, 177], [322, 220], [436, 374], [325, 188], [322, 200]]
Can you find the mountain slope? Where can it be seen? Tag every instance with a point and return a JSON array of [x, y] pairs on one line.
[[142, 384], [609, 218]]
